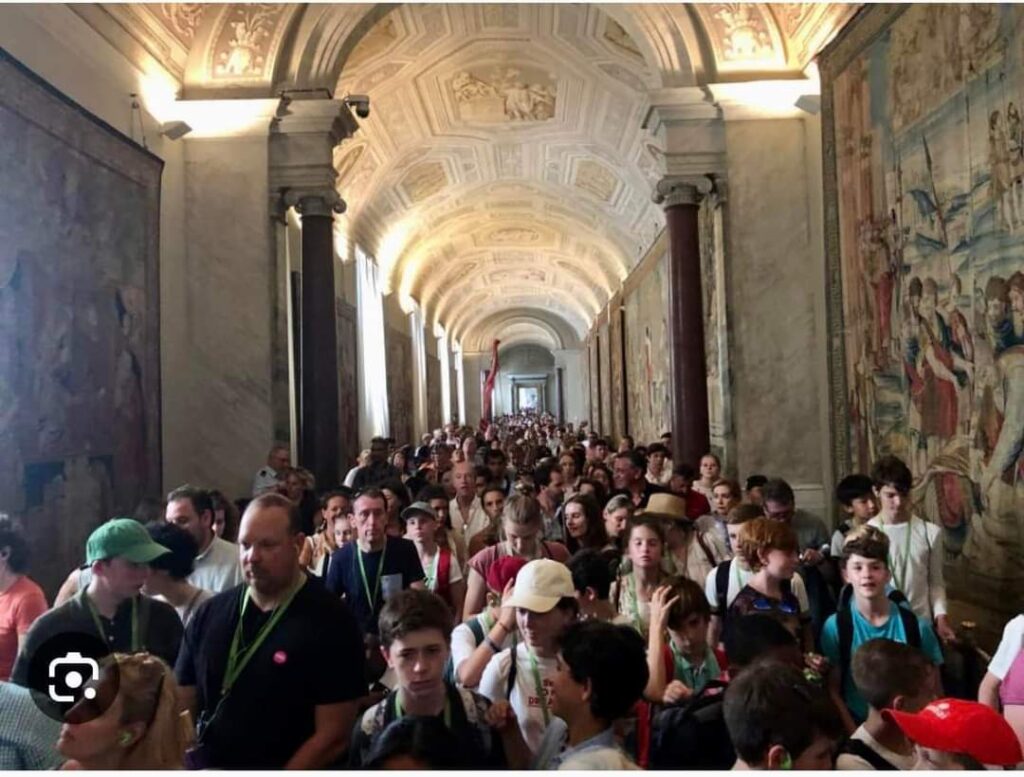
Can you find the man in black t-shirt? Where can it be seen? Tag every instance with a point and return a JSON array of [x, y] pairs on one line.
[[272, 669], [370, 570]]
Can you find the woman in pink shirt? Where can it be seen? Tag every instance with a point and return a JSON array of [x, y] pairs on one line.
[[21, 600]]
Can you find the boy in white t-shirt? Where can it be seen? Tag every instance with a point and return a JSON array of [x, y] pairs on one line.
[[916, 547], [545, 602]]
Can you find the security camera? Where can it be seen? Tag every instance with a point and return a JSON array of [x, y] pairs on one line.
[[360, 103]]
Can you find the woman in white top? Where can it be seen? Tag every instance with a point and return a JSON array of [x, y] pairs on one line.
[[168, 578]]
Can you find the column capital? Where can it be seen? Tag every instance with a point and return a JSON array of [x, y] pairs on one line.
[[314, 202], [682, 190]]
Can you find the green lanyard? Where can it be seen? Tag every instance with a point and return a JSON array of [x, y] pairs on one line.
[[238, 657], [901, 576], [400, 713], [372, 598], [431, 578], [538, 685], [488, 622], [136, 646]]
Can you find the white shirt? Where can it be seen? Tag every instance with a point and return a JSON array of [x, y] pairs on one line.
[[478, 520], [464, 641], [217, 569], [265, 478], [662, 479], [1009, 647], [454, 572], [350, 477], [739, 576], [528, 706], [848, 763], [919, 576]]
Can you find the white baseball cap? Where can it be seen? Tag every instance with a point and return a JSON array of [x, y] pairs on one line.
[[540, 585]]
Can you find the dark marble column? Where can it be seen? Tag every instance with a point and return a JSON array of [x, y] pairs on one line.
[[691, 437], [318, 427], [560, 394]]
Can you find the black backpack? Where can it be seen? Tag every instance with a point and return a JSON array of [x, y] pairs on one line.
[[478, 636], [844, 624], [692, 734]]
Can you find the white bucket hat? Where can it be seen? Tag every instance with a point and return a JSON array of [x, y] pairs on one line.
[[540, 585]]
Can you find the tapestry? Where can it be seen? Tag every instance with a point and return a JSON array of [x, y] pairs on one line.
[[400, 372], [647, 352], [433, 393], [79, 321], [615, 335], [924, 171], [348, 385], [594, 382], [604, 355]]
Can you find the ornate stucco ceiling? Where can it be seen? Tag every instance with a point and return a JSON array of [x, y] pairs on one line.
[[503, 178]]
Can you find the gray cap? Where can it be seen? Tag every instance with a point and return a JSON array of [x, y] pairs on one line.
[[418, 508]]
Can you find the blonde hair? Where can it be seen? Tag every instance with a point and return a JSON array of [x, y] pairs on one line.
[[149, 695], [764, 534], [522, 510]]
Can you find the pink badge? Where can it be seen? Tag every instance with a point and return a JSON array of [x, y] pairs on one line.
[[280, 657]]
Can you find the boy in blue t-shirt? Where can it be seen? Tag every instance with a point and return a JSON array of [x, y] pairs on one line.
[[867, 612]]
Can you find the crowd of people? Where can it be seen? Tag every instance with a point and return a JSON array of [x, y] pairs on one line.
[[522, 596]]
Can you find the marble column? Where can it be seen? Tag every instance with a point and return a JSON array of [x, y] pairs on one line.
[[691, 436], [318, 359], [560, 394]]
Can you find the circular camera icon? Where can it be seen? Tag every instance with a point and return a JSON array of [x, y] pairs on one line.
[[72, 677]]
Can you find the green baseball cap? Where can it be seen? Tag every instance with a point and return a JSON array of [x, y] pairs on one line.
[[122, 538]]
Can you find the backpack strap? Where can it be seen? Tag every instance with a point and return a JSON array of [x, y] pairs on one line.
[[478, 630], [722, 586], [444, 572], [513, 668], [911, 626], [860, 749], [844, 628], [704, 547]]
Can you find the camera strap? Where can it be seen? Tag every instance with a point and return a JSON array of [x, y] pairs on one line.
[[136, 645]]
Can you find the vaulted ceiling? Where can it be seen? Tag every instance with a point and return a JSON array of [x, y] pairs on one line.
[[503, 178]]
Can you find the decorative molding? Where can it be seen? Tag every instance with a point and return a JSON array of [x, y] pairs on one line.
[[672, 191]]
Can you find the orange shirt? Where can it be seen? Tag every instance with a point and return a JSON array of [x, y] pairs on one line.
[[20, 605]]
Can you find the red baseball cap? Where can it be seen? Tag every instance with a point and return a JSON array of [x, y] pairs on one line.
[[504, 569], [958, 726]]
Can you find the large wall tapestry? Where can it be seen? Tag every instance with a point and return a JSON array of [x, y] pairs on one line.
[[716, 328], [79, 320], [615, 341], [400, 380], [348, 385], [924, 168], [647, 350], [605, 356]]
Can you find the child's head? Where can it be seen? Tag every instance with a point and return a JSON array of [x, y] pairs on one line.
[[602, 670], [420, 522], [757, 637], [771, 545], [865, 561], [739, 515], [688, 618], [591, 575], [778, 720], [645, 541], [754, 489], [893, 675], [856, 495], [892, 481], [342, 529], [415, 632], [493, 500], [958, 734]]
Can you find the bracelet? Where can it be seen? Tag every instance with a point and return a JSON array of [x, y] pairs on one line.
[[494, 646]]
